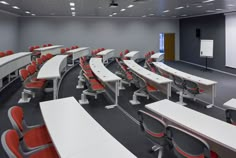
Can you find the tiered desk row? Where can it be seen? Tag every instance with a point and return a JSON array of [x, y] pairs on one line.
[[79, 52], [77, 134], [50, 49]]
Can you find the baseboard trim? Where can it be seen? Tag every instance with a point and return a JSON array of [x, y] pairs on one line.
[[228, 73]]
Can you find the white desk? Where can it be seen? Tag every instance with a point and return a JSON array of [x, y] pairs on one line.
[[208, 85], [133, 55], [107, 54], [79, 52], [50, 49], [212, 129], [52, 70], [231, 104], [158, 57], [76, 134], [105, 75], [163, 84], [14, 62]]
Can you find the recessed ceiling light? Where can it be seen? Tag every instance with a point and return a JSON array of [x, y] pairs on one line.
[[72, 4], [4, 2], [199, 6], [15, 7], [210, 11], [130, 6], [110, 15], [184, 15], [33, 14], [144, 16], [72, 8], [219, 9], [230, 5], [207, 1], [114, 13], [166, 11], [181, 7], [100, 7], [27, 12], [151, 14], [73, 12], [122, 10]]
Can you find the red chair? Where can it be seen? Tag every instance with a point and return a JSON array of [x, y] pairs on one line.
[[9, 52], [102, 49], [11, 145], [63, 50], [33, 136], [36, 47], [49, 44], [49, 56], [152, 52], [126, 51], [73, 47], [31, 48], [45, 45], [76, 47], [44, 58], [67, 49], [32, 69], [2, 54], [39, 61]]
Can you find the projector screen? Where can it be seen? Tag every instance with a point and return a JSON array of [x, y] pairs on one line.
[[206, 48], [230, 40]]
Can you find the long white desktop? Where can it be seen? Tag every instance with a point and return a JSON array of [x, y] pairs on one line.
[[105, 75], [52, 70], [76, 134], [208, 85], [13, 63], [133, 55], [219, 134], [50, 49], [107, 54], [163, 84], [79, 52]]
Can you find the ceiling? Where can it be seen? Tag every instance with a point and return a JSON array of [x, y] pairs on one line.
[[100, 8]]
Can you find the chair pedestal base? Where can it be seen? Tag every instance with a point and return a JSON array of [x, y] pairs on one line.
[[134, 101], [83, 99], [80, 85], [110, 106], [121, 86], [181, 99], [25, 96], [209, 106]]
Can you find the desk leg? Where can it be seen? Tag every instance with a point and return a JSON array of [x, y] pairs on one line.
[[116, 97], [55, 89], [168, 90], [213, 95]]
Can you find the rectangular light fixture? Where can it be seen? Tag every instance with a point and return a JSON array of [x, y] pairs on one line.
[[179, 8], [122, 10], [166, 11], [33, 14], [114, 13], [15, 7], [72, 4], [130, 6], [207, 1], [4, 2], [27, 12], [72, 8]]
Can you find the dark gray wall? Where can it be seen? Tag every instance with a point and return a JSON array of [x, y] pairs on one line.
[[212, 27], [9, 32], [118, 33]]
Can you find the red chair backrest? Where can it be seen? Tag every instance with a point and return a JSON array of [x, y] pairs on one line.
[[31, 69], [63, 50], [45, 45], [35, 47], [126, 51], [49, 56], [102, 49], [2, 54], [73, 47], [31, 48], [76, 47], [9, 52], [44, 58], [152, 52], [12, 143], [39, 61], [49, 44], [24, 74], [67, 49]]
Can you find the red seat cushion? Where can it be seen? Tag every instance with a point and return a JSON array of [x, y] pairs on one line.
[[12, 141], [213, 155], [36, 85], [46, 153], [37, 136], [201, 90], [151, 88], [97, 87], [38, 80], [129, 75]]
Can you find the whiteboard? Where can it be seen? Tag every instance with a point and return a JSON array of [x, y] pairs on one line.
[[206, 48]]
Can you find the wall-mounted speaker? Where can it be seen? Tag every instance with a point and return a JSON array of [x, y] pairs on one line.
[[198, 33]]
